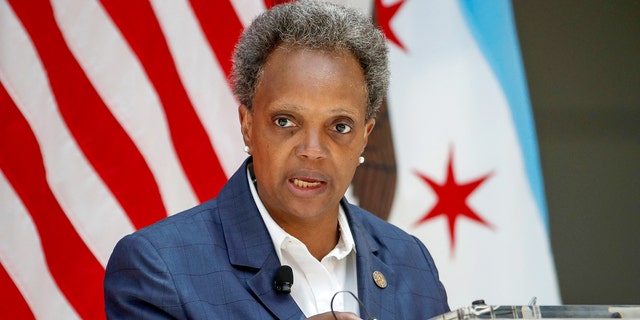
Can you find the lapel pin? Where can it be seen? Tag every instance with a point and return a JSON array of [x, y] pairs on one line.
[[379, 279]]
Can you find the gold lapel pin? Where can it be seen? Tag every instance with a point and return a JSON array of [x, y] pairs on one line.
[[379, 279]]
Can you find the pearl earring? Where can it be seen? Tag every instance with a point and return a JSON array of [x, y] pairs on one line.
[[361, 159], [247, 149]]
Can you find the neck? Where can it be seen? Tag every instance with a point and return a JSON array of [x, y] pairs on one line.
[[320, 237]]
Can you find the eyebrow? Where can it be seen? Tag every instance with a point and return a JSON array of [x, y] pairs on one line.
[[289, 106], [333, 111]]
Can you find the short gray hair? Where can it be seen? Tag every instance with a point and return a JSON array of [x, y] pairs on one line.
[[315, 25]]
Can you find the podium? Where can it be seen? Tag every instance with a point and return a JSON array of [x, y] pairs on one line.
[[479, 310]]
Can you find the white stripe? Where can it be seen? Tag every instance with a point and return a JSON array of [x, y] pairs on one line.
[[21, 255], [121, 82], [247, 10], [89, 205], [203, 79]]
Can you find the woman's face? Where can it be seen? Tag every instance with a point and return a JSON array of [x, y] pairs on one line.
[[306, 131]]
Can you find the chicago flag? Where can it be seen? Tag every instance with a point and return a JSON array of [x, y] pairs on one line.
[[469, 182]]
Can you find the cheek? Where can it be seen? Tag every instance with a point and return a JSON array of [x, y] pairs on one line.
[[347, 158], [262, 139], [270, 153], [347, 171]]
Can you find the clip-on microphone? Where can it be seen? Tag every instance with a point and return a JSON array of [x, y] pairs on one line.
[[283, 280]]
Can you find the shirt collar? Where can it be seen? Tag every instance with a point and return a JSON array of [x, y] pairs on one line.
[[345, 245]]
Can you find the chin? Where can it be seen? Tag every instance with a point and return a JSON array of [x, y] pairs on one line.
[[307, 210]]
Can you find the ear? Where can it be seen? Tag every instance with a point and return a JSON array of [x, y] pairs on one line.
[[246, 121], [368, 127]]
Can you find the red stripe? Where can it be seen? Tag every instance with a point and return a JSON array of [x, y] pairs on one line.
[[221, 26], [137, 22], [99, 135], [17, 307], [76, 271], [271, 3]]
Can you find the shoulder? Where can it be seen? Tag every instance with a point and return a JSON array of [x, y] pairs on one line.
[[169, 245], [391, 244], [159, 258], [191, 223], [380, 231], [401, 252], [171, 240]]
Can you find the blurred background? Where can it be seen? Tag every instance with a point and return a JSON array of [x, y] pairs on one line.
[[583, 69]]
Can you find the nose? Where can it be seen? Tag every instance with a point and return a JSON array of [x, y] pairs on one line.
[[312, 144]]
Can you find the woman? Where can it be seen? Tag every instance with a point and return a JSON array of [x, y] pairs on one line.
[[310, 77]]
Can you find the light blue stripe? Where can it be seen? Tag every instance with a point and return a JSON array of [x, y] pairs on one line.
[[492, 24]]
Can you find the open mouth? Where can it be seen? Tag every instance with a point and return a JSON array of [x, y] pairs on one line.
[[306, 184]]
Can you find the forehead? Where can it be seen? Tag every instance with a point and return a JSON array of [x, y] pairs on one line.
[[292, 58], [298, 78]]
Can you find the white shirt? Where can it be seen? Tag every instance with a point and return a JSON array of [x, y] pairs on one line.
[[315, 282]]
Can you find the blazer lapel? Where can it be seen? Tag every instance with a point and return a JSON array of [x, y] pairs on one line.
[[250, 247], [378, 299], [281, 305]]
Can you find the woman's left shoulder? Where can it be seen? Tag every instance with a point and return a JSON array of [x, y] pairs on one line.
[[378, 227]]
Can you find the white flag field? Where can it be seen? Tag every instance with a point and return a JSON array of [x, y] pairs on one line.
[[115, 114]]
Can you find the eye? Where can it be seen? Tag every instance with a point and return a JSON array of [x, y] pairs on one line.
[[343, 128], [283, 122]]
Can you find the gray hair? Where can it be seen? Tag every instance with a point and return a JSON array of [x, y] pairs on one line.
[[315, 25]]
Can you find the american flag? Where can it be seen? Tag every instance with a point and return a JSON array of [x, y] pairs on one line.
[[113, 115]]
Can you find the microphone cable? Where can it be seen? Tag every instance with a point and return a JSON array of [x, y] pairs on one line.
[[369, 317]]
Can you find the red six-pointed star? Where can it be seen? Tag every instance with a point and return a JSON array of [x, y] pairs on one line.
[[384, 15], [452, 200]]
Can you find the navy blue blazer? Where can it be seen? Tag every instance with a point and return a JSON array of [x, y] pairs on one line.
[[217, 261]]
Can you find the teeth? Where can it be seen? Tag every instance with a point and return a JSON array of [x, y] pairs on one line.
[[304, 184]]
